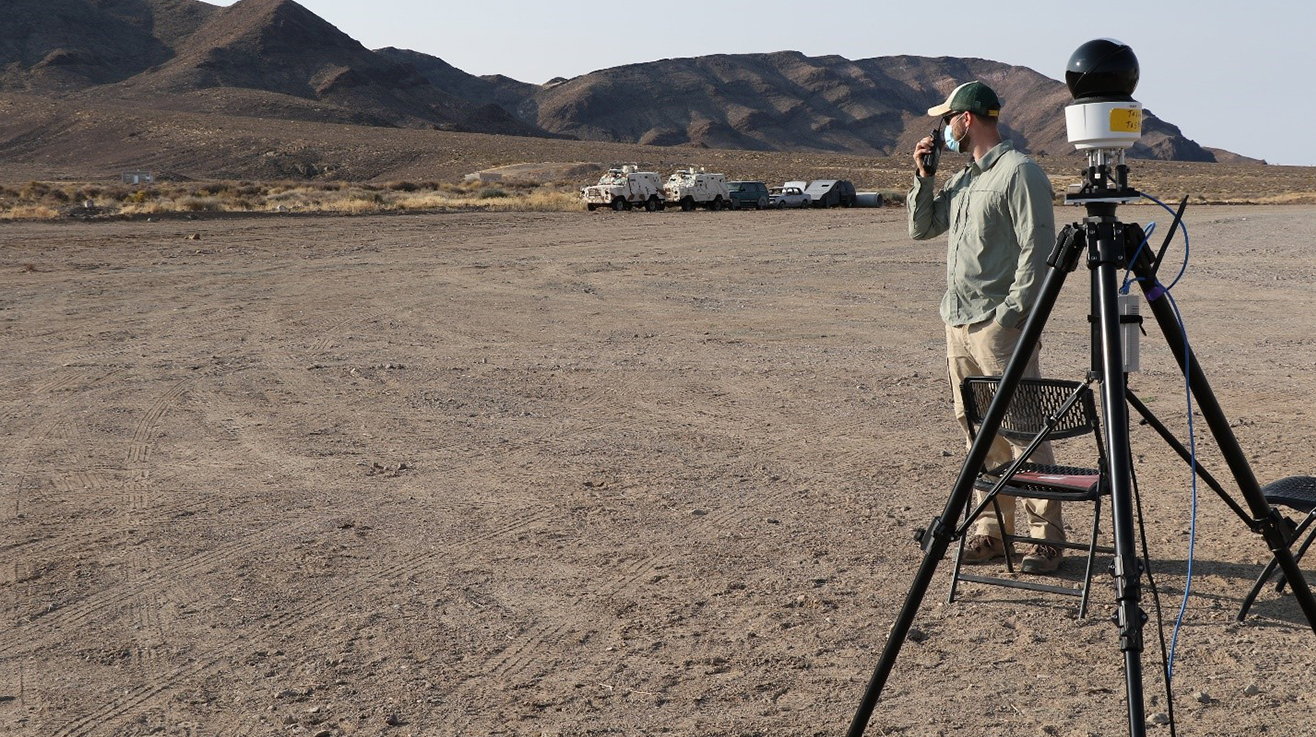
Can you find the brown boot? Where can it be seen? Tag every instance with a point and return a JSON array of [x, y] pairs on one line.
[[1041, 558], [982, 548]]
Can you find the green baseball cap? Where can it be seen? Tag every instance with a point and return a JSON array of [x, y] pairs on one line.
[[973, 97]]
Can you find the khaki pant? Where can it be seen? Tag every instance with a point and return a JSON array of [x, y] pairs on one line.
[[983, 349]]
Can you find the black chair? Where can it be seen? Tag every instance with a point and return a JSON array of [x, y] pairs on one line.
[[1041, 410], [1299, 494]]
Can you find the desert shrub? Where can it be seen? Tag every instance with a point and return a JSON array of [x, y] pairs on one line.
[[201, 204], [353, 206], [34, 190], [137, 197], [426, 202], [894, 197], [247, 189], [149, 208], [492, 193], [29, 212], [402, 186]]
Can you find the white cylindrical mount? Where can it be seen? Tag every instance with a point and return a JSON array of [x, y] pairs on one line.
[[1104, 124]]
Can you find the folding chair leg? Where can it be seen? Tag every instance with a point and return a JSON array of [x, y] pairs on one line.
[[1092, 554], [1007, 536], [1256, 589], [1272, 565], [959, 552], [955, 574], [1301, 550]]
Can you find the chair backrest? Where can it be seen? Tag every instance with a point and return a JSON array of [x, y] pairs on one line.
[[1034, 401]]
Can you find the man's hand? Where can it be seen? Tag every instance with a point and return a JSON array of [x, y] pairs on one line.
[[923, 148]]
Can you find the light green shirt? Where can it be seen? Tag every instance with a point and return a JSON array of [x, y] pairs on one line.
[[1002, 228]]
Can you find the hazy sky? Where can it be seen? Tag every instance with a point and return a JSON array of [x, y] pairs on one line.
[[1231, 74]]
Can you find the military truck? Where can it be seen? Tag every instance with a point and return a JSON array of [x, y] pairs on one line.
[[692, 188], [624, 188]]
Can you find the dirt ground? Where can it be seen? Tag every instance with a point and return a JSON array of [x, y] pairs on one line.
[[570, 474]]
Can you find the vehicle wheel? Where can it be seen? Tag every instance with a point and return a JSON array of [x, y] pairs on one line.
[[687, 204], [845, 202], [762, 203], [781, 205], [651, 204], [619, 204], [716, 204], [662, 205], [591, 206]]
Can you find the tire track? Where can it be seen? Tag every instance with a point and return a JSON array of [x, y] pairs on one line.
[[520, 657], [631, 575], [139, 451], [26, 638], [289, 624], [111, 712]]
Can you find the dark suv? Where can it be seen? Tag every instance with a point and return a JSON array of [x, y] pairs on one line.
[[749, 194]]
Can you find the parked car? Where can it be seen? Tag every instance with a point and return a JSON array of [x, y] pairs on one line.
[[749, 194], [783, 197], [831, 192]]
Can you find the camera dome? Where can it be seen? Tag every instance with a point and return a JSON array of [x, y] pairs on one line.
[[1102, 68]]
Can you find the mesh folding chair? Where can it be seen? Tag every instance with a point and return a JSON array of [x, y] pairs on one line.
[[1299, 494], [1041, 410]]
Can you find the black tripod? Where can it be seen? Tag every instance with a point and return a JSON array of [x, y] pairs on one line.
[[1109, 245]]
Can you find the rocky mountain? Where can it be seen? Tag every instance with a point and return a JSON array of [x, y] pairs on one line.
[[493, 89], [259, 57], [274, 59], [72, 44], [789, 101]]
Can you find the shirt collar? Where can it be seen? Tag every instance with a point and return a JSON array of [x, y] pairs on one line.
[[991, 157]]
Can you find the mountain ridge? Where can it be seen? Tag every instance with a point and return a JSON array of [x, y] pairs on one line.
[[276, 59]]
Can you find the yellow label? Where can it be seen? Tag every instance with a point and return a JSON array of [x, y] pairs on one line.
[[1125, 120]]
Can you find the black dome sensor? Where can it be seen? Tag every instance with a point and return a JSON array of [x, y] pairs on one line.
[[1102, 68]]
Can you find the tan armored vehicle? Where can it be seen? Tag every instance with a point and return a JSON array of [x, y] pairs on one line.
[[692, 188], [624, 188]]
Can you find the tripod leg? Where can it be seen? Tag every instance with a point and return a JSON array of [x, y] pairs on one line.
[[1107, 253], [937, 537], [1268, 520]]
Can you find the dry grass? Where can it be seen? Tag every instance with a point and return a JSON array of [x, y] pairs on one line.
[[537, 201], [45, 200], [1204, 183], [29, 212]]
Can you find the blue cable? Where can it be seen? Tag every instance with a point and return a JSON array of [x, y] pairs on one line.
[[1192, 515], [1153, 294], [1147, 234]]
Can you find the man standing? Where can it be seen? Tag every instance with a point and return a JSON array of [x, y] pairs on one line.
[[999, 213]]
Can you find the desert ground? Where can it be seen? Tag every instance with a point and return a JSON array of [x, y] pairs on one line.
[[583, 474]]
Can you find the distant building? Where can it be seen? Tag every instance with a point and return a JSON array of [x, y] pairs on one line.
[[484, 176], [137, 177]]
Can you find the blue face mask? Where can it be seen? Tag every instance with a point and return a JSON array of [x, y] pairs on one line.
[[952, 143]]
